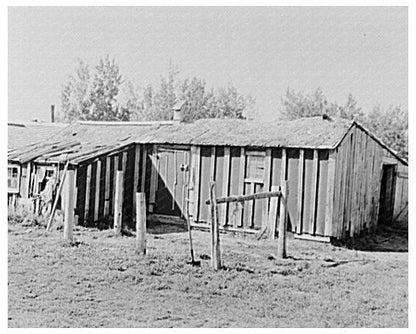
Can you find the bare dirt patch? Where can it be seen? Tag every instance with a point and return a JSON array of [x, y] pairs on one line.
[[99, 281]]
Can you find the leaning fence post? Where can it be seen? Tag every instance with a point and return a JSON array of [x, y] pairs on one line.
[[69, 205], [118, 203], [281, 242], [141, 223], [215, 232]]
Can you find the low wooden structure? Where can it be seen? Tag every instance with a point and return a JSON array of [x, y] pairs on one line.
[[342, 179]]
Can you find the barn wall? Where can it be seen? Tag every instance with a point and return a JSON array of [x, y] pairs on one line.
[[358, 171], [95, 182], [309, 205]]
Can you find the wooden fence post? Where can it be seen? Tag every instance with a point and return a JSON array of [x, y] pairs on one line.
[[118, 202], [215, 232], [281, 242], [274, 202], [69, 205], [141, 223]]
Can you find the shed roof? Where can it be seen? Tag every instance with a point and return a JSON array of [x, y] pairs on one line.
[[312, 132], [85, 140], [24, 133]]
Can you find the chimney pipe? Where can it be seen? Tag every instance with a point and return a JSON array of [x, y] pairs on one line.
[[178, 111], [52, 113]]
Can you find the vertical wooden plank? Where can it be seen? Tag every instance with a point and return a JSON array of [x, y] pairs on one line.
[[248, 207], [301, 168], [283, 175], [197, 177], [274, 202], [344, 190], [144, 157], [114, 180], [75, 194], [266, 187], [283, 170], [87, 194], [136, 177], [191, 186], [352, 212], [226, 184], [281, 245], [97, 190], [107, 186], [239, 215], [27, 190], [69, 205], [313, 192], [329, 205], [350, 184], [141, 224], [153, 180], [118, 203], [212, 167]]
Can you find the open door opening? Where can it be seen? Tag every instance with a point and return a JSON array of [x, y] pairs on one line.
[[388, 181]]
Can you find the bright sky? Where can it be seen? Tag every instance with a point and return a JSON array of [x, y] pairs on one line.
[[260, 50]]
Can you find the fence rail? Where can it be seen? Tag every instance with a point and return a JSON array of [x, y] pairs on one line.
[[215, 235], [243, 198]]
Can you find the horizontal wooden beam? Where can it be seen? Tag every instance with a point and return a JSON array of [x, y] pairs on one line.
[[250, 197]]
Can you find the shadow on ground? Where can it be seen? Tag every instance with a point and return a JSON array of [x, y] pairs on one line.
[[385, 239], [155, 227]]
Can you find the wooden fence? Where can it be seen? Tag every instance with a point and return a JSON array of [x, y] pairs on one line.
[[213, 202]]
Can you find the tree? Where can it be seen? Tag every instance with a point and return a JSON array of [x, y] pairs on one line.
[[94, 98], [201, 102], [391, 126], [75, 94], [297, 105]]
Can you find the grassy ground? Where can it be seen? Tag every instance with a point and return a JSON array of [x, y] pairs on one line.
[[100, 282]]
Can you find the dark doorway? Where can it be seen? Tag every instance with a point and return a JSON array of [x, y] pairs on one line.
[[388, 181], [172, 187]]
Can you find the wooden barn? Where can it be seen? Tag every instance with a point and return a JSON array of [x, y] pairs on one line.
[[342, 180]]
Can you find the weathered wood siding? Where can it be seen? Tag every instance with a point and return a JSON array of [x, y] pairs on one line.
[[400, 213], [357, 184], [308, 186], [331, 192], [95, 183]]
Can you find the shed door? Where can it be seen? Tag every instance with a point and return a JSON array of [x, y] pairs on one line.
[[173, 175], [388, 181], [253, 183]]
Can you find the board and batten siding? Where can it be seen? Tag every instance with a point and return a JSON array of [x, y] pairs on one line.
[[357, 186], [95, 182], [310, 186]]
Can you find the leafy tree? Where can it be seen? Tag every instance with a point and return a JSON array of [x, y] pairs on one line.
[[75, 94], [297, 105], [201, 102], [391, 126], [85, 97], [350, 110]]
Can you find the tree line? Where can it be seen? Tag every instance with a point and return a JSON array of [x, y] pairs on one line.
[[94, 94]]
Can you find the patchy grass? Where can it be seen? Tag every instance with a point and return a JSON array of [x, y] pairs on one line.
[[99, 281]]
